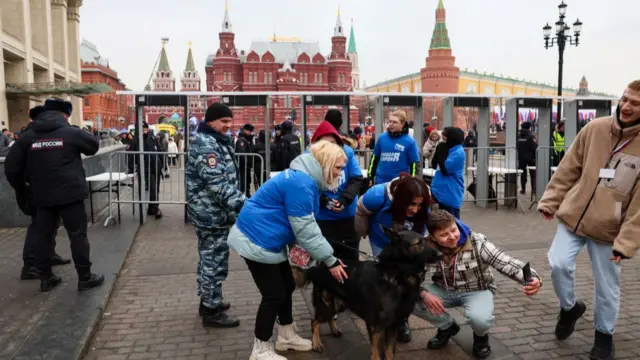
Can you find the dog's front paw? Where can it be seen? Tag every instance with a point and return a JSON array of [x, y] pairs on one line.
[[318, 347], [336, 332]]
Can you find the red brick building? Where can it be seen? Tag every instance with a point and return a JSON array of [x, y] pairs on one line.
[[106, 110], [280, 65]]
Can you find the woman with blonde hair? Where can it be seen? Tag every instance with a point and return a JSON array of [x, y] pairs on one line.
[[279, 214]]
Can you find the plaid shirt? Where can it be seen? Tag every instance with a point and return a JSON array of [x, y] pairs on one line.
[[472, 267]]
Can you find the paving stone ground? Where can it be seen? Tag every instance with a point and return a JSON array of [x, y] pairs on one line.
[[153, 309]]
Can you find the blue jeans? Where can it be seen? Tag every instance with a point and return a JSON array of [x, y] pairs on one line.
[[478, 308], [606, 273]]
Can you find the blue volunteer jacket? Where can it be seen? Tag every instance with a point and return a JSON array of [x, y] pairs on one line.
[[351, 170], [449, 189], [393, 155], [282, 212], [213, 198], [378, 200]]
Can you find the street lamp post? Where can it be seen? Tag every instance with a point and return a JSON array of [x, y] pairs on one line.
[[562, 38]]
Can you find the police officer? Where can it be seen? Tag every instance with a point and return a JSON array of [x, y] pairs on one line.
[[25, 203], [214, 201], [244, 145], [49, 158], [153, 164]]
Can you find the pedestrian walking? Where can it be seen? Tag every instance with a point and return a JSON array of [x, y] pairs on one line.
[[49, 157], [214, 201], [595, 197], [153, 165]]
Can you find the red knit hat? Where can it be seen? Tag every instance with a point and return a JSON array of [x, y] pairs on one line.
[[325, 128]]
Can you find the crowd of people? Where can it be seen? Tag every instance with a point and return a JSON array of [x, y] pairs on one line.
[[315, 211]]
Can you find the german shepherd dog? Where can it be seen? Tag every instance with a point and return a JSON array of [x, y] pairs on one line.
[[382, 293]]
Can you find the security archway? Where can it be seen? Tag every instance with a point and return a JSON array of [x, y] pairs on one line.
[[571, 110], [482, 164]]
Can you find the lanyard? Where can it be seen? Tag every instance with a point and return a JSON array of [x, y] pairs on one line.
[[622, 146], [453, 273]]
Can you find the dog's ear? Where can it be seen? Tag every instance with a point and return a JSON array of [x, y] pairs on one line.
[[390, 233]]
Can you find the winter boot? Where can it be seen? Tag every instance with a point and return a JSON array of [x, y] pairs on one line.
[[263, 350], [89, 281], [49, 282], [602, 347], [57, 260], [29, 273], [442, 337], [217, 318], [224, 306], [288, 339], [567, 320], [481, 348]]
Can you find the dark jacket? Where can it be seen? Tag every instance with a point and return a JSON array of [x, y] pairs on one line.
[[244, 145], [290, 147], [455, 136], [526, 147], [48, 158], [152, 162]]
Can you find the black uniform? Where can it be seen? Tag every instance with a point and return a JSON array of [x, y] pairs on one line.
[[526, 147], [49, 158], [244, 145], [153, 164], [290, 146]]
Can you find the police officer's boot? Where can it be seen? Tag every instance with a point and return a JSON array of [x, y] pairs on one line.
[[58, 260], [48, 282], [224, 306], [29, 273], [218, 318], [88, 280]]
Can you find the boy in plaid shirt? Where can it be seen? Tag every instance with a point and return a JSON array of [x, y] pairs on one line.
[[464, 279]]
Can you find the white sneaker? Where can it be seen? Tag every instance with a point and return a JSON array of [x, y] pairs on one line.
[[288, 339], [263, 350]]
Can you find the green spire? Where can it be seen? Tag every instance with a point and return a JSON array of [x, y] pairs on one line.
[[352, 41], [190, 66], [440, 5], [164, 61], [440, 38]]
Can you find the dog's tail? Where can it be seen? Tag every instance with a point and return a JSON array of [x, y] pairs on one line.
[[304, 277]]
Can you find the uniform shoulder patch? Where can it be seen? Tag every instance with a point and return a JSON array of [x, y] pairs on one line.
[[212, 160]]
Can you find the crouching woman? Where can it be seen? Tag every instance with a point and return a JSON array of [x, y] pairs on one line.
[[464, 279], [281, 213]]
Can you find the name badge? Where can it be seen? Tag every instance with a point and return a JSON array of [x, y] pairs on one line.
[[607, 173]]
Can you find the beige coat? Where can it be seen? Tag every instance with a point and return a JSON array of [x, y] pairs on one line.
[[606, 210]]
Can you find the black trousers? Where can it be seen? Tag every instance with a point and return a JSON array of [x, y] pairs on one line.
[[74, 219], [276, 285], [341, 232], [523, 177], [153, 185], [31, 242]]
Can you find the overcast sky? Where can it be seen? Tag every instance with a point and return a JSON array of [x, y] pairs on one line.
[[497, 36]]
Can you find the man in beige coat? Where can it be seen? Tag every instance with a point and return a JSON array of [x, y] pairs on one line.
[[595, 196]]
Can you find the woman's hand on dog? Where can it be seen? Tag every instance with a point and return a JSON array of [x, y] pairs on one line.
[[532, 288], [337, 271], [433, 303]]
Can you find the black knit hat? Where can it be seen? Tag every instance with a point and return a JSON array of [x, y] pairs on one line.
[[248, 127], [334, 117], [217, 111], [35, 111], [526, 125], [55, 104], [145, 125]]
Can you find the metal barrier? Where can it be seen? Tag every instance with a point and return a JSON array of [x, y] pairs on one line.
[[500, 176], [252, 172], [165, 178], [547, 160]]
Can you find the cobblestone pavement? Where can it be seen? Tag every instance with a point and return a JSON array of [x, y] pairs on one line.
[[153, 310]]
